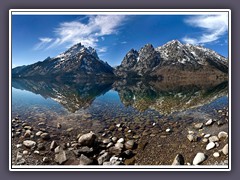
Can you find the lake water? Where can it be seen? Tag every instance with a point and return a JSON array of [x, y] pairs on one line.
[[102, 103]]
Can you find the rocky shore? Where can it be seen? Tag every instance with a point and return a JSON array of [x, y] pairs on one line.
[[163, 142]]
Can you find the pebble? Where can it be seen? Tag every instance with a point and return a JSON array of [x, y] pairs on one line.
[[29, 143], [60, 157], [41, 124], [46, 159], [45, 136], [118, 125], [53, 145], [205, 140], [109, 145], [83, 150], [69, 129], [119, 145], [121, 140], [39, 133], [27, 133], [191, 137], [84, 160], [114, 139], [222, 135], [25, 152], [198, 125], [36, 152], [199, 158], [213, 139], [87, 139], [168, 130], [216, 154], [57, 149], [190, 132], [207, 135], [19, 159], [59, 126], [178, 160], [105, 157], [225, 149], [220, 122], [129, 144], [209, 122], [210, 145], [40, 147], [28, 127], [106, 141], [19, 145]]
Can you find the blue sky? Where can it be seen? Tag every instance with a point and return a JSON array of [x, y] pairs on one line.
[[35, 37]]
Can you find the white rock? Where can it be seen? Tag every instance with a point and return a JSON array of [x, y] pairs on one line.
[[57, 149], [225, 149], [25, 152], [191, 137], [114, 139], [213, 139], [168, 130], [222, 135], [154, 124], [216, 154], [199, 158], [118, 125], [190, 132], [39, 133], [29, 143], [119, 145], [36, 152], [19, 145], [207, 135], [209, 122], [210, 145], [121, 140]]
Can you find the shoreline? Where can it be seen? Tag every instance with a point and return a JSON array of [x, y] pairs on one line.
[[122, 143]]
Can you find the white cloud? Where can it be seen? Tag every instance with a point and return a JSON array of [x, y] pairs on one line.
[[124, 42], [88, 33], [102, 49], [43, 42], [213, 26]]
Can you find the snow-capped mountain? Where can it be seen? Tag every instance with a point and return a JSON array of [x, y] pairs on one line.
[[78, 61], [172, 59]]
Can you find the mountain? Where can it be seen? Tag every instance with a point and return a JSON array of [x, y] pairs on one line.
[[173, 60], [76, 62]]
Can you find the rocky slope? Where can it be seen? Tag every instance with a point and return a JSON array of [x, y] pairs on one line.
[[173, 60], [78, 61]]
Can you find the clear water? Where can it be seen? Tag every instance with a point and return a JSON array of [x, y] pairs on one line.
[[111, 101]]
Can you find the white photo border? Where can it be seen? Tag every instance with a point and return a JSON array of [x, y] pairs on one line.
[[117, 12]]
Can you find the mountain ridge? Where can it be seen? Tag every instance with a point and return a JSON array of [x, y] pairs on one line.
[[166, 61]]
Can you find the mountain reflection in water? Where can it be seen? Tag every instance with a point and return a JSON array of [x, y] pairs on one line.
[[162, 97]]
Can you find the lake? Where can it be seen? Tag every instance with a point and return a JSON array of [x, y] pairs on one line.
[[107, 102]]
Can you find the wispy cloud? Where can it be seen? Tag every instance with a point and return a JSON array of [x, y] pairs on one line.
[[43, 42], [124, 42], [88, 33], [213, 27]]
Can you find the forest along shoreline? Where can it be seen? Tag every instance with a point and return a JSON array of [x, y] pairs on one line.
[[165, 142]]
